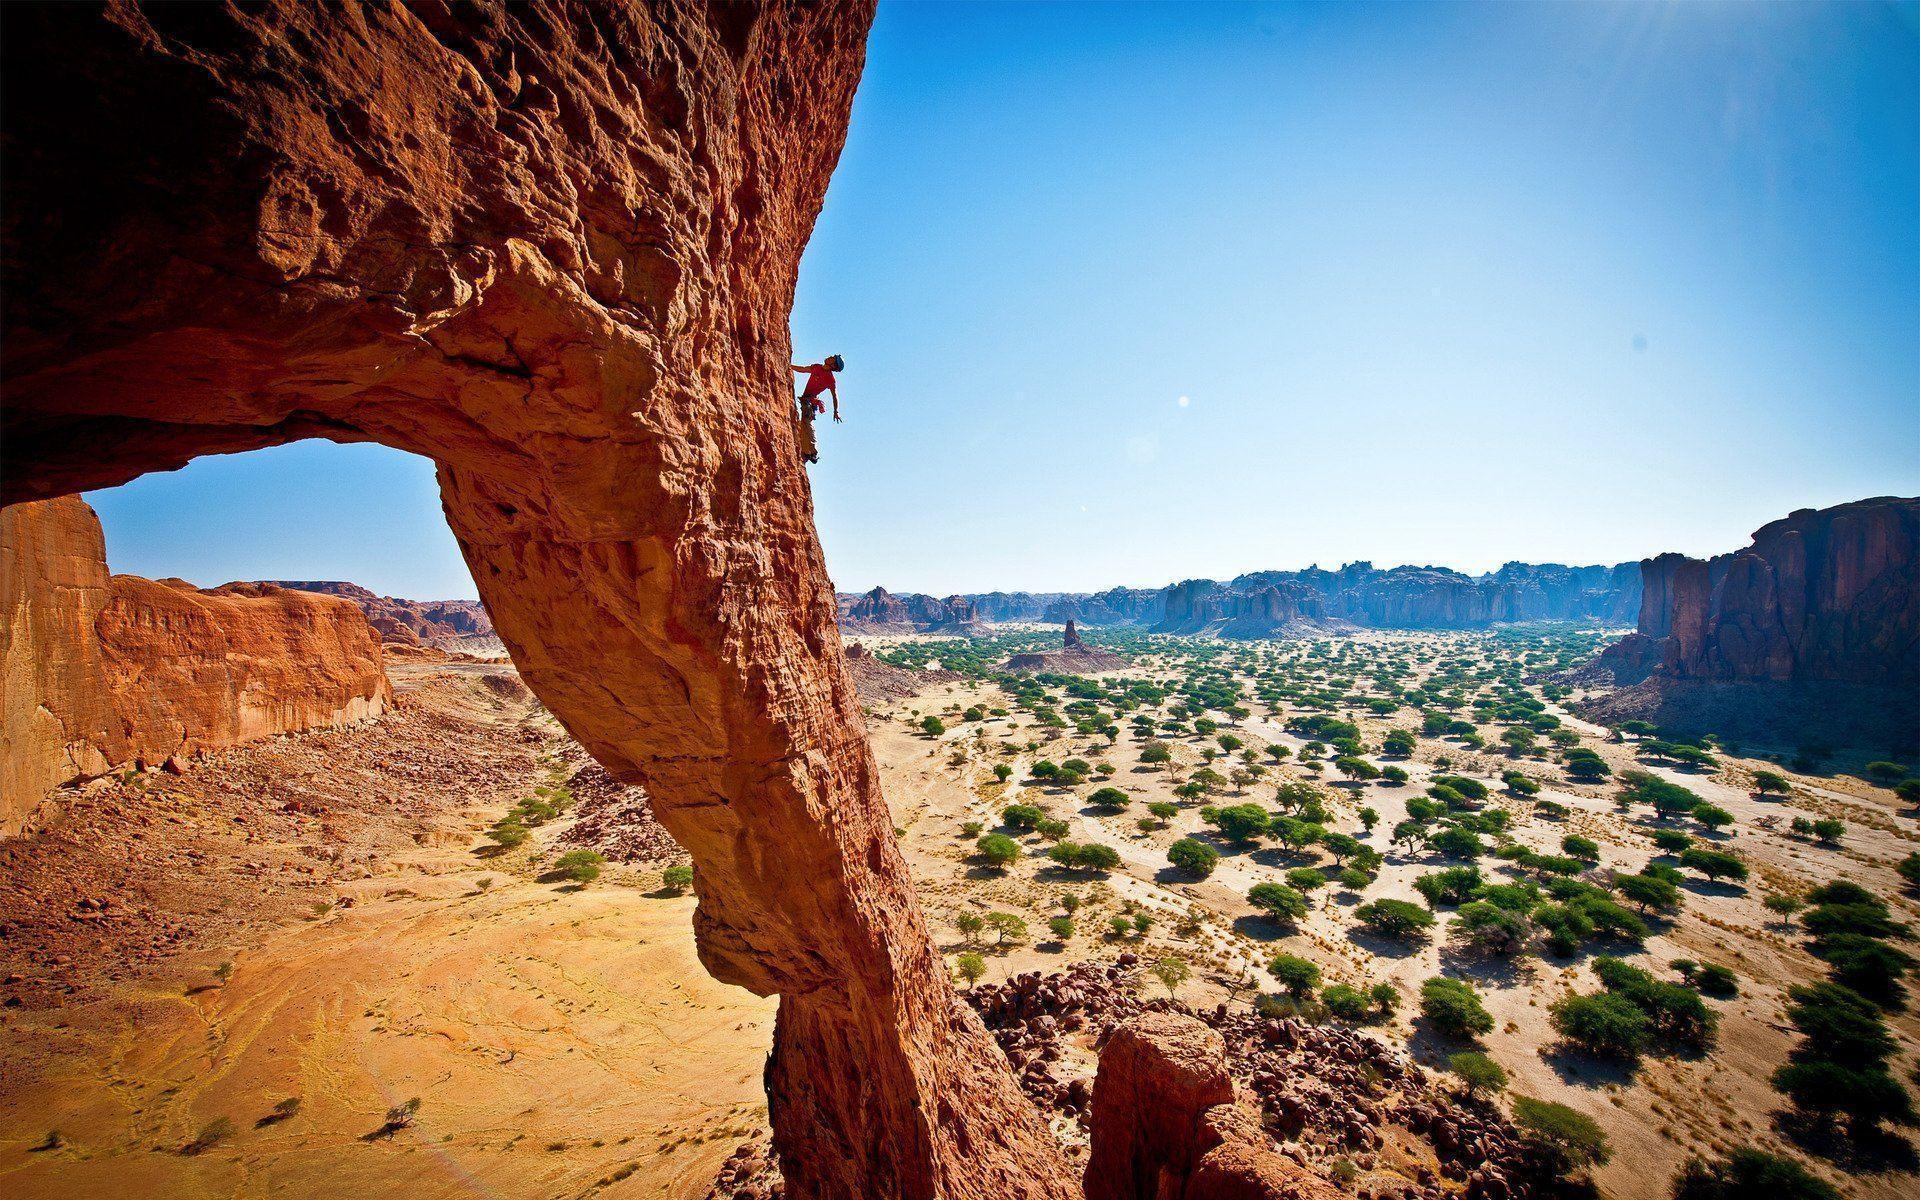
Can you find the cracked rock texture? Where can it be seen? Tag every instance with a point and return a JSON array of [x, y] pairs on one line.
[[552, 247], [105, 672], [1165, 1125]]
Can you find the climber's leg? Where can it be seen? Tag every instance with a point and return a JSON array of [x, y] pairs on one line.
[[809, 450]]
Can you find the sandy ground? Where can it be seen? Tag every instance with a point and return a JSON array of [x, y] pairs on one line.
[[561, 1041], [565, 1042], [1655, 1115]]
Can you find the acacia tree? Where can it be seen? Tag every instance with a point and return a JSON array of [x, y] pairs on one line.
[[1171, 971]]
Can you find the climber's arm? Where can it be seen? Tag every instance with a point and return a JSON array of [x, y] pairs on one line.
[[835, 393]]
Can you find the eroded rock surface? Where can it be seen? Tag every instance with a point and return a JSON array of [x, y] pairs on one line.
[[1317, 1094], [109, 671], [1074, 657], [1159, 1074], [551, 246], [1828, 595]]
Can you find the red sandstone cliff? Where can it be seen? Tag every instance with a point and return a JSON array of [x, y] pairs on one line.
[[1831, 595], [105, 671]]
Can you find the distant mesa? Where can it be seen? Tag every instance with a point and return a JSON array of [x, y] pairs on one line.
[[1313, 602], [105, 672], [1074, 657], [461, 626], [880, 611]]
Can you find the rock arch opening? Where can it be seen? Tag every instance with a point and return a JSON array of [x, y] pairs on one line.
[[552, 248]]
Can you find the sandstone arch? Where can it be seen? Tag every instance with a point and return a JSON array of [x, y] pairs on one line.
[[488, 235]]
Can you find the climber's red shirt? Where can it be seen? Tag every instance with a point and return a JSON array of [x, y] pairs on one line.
[[819, 380]]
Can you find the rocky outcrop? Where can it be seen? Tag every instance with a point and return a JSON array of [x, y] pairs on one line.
[[552, 247], [878, 682], [1831, 595], [1201, 606], [1328, 1092], [1165, 1125], [104, 672], [457, 625], [1115, 606], [880, 611], [1074, 657], [57, 721]]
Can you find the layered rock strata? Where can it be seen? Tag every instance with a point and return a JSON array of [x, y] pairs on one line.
[[1280, 603], [110, 671]]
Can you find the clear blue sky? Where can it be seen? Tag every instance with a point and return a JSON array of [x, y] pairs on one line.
[[1440, 284]]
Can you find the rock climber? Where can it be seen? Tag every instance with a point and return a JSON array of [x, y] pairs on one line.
[[819, 379]]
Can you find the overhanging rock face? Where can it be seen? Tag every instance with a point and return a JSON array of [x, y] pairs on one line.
[[552, 247]]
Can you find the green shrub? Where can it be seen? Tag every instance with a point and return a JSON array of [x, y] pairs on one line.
[[1492, 929], [1479, 1073], [1297, 975], [1716, 980], [1457, 843], [1455, 885], [1346, 1003], [580, 866], [971, 967], [1087, 857], [1568, 1141], [1747, 1173], [1649, 892], [1453, 1008], [1193, 857], [1022, 816], [509, 834], [998, 849], [1713, 863], [1278, 901], [676, 879], [1605, 1024], [1006, 927]]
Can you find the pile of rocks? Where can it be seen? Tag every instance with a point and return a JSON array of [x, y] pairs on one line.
[[1324, 1091], [618, 821], [750, 1173]]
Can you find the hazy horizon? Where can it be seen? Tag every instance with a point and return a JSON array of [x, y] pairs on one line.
[[1135, 294]]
